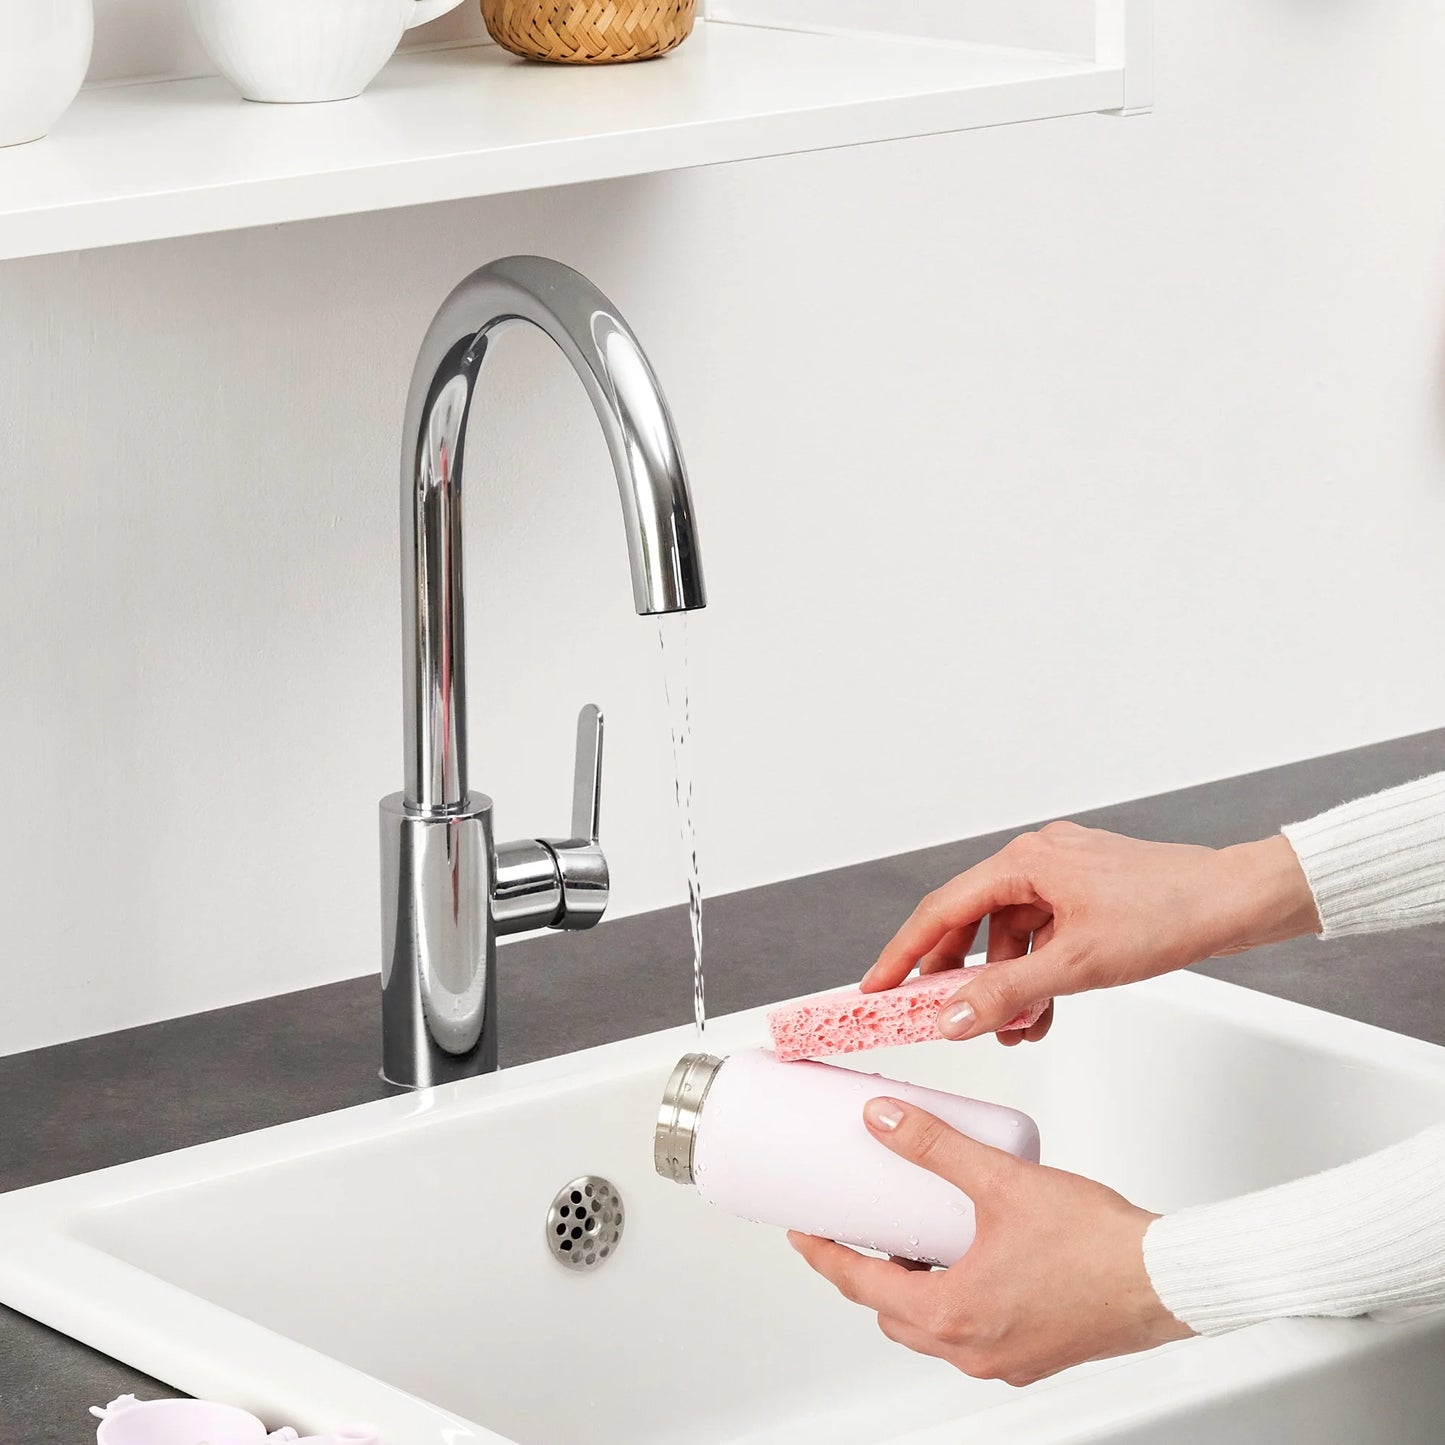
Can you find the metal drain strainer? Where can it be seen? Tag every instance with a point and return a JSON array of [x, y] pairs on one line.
[[584, 1223]]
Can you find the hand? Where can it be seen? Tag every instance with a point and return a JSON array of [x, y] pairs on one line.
[[1072, 908], [1055, 1275]]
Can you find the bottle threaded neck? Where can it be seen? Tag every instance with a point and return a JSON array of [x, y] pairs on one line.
[[675, 1138]]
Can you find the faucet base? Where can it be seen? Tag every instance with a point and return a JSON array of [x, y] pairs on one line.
[[438, 973]]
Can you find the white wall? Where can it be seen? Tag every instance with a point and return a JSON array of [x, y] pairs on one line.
[[1036, 467]]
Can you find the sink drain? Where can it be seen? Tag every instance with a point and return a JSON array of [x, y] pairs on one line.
[[584, 1223]]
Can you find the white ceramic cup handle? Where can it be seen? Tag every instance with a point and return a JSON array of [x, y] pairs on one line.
[[424, 10]]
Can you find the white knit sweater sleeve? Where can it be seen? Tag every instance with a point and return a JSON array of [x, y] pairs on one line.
[[1378, 862], [1365, 1238], [1369, 1236]]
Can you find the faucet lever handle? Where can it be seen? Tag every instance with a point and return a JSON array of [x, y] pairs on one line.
[[581, 866], [587, 779], [559, 882]]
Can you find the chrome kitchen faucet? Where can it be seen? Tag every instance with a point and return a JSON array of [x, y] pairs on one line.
[[447, 892]]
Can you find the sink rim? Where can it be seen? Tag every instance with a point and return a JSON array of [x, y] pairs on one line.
[[49, 1273]]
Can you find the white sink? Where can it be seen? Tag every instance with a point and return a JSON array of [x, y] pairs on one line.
[[387, 1262]]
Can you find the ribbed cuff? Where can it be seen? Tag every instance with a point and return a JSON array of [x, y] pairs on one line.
[[1377, 862], [1365, 1238]]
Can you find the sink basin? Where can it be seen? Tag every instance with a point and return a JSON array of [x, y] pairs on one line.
[[388, 1262]]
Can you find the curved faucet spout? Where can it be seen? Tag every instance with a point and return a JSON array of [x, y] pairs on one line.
[[656, 503]]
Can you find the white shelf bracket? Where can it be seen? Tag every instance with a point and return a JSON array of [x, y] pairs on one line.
[[1124, 36]]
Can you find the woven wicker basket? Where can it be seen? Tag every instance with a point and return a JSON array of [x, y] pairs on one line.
[[589, 32]]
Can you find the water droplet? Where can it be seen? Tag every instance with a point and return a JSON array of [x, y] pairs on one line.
[[913, 1241]]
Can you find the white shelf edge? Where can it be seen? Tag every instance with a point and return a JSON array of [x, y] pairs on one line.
[[358, 183], [1124, 36]]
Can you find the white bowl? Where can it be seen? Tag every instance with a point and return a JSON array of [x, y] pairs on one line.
[[44, 53], [293, 51]]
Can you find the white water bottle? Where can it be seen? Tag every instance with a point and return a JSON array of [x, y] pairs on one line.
[[785, 1144]]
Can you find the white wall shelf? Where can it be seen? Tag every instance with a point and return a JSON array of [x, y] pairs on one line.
[[138, 162]]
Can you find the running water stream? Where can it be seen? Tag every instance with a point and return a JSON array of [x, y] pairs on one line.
[[672, 638]]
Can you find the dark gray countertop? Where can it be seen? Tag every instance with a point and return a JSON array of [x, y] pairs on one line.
[[142, 1091]]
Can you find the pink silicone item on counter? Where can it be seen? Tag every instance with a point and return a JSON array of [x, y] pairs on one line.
[[128, 1421], [852, 1021]]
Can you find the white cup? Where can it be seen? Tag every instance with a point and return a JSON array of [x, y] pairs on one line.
[[305, 50], [44, 51]]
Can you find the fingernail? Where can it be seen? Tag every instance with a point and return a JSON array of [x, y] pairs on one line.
[[955, 1020], [883, 1114]]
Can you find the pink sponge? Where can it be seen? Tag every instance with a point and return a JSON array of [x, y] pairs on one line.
[[849, 1022]]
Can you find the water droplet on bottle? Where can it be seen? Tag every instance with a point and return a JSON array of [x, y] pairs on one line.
[[913, 1241]]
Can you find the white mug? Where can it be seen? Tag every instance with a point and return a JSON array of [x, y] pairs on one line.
[[304, 50], [44, 52]]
